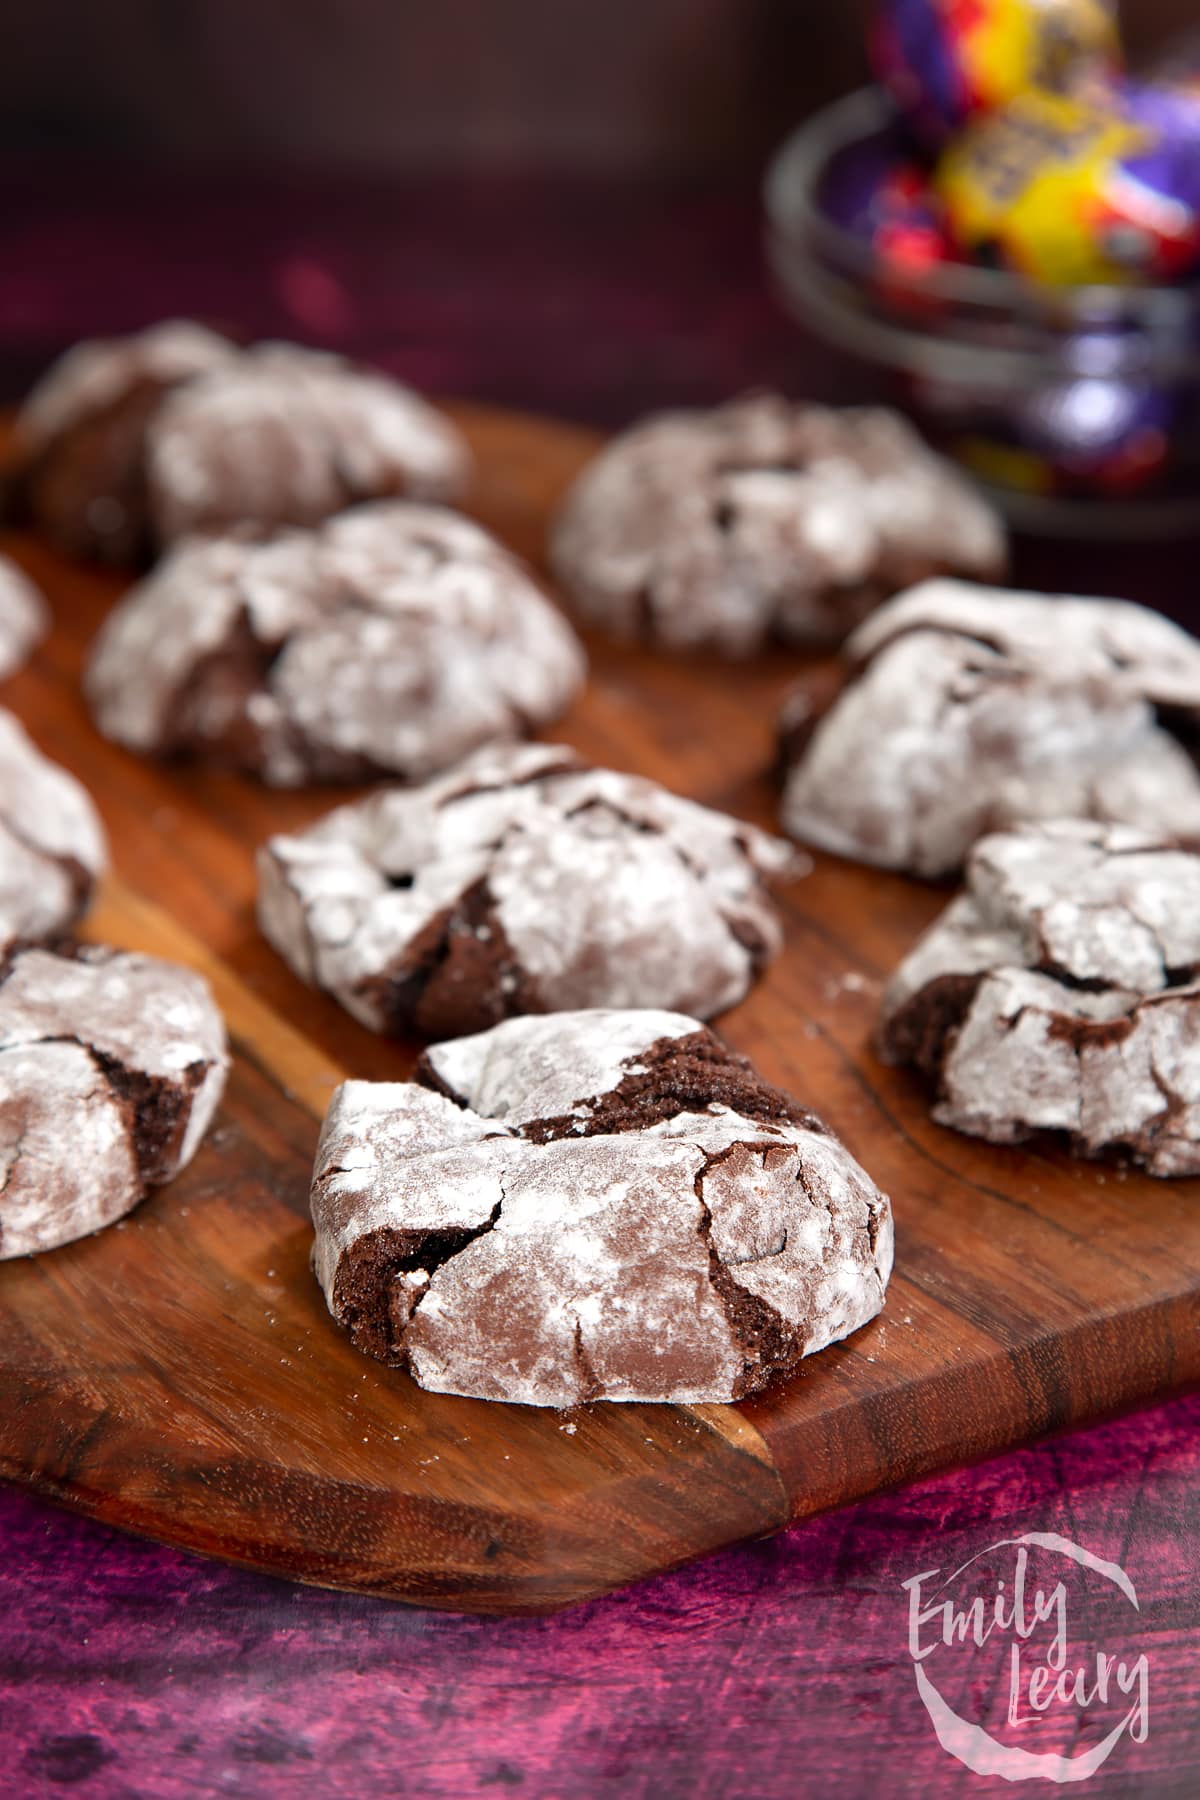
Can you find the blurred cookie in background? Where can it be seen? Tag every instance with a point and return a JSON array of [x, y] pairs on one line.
[[764, 520], [390, 640]]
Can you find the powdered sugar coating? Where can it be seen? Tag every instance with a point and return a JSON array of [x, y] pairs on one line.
[[394, 638], [288, 436], [65, 1150], [78, 472], [577, 886], [111, 1067], [93, 375], [529, 1069], [764, 519], [690, 1260], [968, 709], [24, 618], [1061, 992], [52, 847]]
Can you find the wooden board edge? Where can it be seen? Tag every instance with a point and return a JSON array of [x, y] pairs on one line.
[[555, 1583], [1033, 1401], [737, 1430]]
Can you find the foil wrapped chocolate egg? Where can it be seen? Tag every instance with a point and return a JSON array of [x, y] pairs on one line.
[[1071, 193], [948, 61], [876, 190]]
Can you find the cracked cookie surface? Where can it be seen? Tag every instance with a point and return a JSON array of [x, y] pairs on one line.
[[111, 1066], [523, 881], [281, 435], [393, 639], [1061, 993], [764, 519], [966, 709], [80, 437], [52, 847], [593, 1205]]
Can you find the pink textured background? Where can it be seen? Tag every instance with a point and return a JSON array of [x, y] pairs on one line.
[[778, 1669], [775, 1670]]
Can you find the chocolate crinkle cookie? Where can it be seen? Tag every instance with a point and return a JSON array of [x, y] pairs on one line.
[[524, 881], [1061, 993], [392, 640], [286, 436], [79, 466], [52, 847], [129, 443], [965, 709], [592, 1205], [764, 519], [24, 618], [111, 1066]]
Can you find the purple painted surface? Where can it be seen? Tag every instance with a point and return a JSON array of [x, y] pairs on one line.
[[779, 1669]]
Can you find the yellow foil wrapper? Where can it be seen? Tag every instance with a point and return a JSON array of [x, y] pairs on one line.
[[1036, 187]]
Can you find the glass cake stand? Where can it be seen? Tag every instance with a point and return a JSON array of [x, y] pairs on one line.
[[995, 368]]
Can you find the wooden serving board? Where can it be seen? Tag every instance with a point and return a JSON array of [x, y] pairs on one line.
[[179, 1375]]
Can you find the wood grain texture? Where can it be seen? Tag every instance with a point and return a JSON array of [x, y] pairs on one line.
[[179, 1375]]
